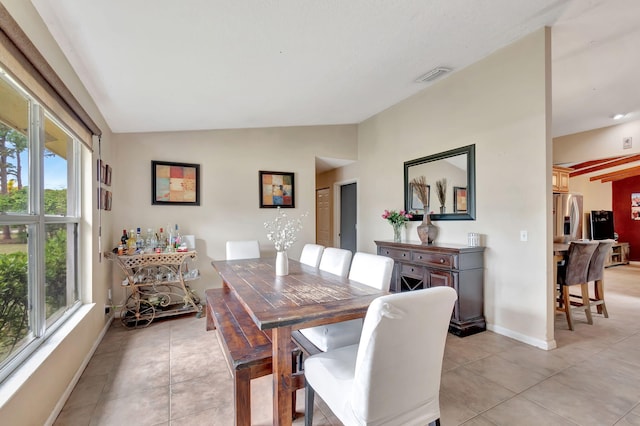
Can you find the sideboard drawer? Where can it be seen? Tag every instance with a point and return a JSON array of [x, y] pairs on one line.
[[395, 254], [435, 259], [413, 271]]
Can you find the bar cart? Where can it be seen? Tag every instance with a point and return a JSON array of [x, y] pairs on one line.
[[159, 286]]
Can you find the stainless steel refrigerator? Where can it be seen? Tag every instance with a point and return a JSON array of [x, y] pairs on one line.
[[567, 217]]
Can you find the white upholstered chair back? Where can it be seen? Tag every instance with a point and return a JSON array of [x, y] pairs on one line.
[[372, 270], [311, 254], [243, 250], [385, 385], [336, 261]]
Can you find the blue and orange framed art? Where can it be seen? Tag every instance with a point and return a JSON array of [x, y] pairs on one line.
[[276, 189], [175, 183]]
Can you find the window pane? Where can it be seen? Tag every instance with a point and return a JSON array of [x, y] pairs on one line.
[[57, 146], [15, 325], [55, 256], [14, 153]]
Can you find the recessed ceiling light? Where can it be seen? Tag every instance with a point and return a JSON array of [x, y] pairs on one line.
[[619, 116], [433, 74]]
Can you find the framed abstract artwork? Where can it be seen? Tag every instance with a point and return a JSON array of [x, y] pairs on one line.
[[276, 189], [459, 199], [175, 183]]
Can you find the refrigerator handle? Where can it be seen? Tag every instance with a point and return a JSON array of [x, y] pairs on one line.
[[575, 217]]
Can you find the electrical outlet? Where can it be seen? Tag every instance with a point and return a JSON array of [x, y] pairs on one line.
[[523, 236]]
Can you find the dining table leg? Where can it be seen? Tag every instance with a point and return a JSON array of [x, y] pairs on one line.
[[282, 370]]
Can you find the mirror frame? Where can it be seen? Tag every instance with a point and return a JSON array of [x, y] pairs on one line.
[[470, 151]]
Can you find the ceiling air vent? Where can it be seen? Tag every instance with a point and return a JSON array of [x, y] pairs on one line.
[[432, 75]]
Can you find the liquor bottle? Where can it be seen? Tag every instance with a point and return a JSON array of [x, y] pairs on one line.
[[139, 239], [177, 238], [151, 242], [148, 241], [162, 240], [171, 241], [124, 237], [131, 242]]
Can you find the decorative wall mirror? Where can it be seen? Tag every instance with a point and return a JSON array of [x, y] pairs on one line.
[[458, 168]]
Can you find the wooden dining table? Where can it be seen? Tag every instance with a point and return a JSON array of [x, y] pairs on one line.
[[305, 297]]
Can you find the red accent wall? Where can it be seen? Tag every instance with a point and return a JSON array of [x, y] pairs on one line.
[[628, 229]]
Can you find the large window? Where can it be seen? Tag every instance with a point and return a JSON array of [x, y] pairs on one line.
[[39, 219]]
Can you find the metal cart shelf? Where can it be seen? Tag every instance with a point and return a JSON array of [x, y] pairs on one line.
[[159, 286]]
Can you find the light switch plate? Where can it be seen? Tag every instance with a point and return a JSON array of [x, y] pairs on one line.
[[626, 142], [523, 236]]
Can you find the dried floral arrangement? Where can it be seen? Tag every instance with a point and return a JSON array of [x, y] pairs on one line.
[[441, 190], [420, 185]]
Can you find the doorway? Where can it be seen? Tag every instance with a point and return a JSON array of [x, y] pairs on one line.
[[323, 217], [349, 216]]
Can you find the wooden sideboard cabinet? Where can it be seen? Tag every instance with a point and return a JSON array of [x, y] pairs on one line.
[[618, 255], [418, 266]]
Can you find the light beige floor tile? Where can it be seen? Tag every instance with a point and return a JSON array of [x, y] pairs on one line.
[[472, 391], [75, 416], [150, 407], [492, 342], [103, 363], [530, 358], [630, 419], [201, 394], [477, 421], [579, 406], [506, 373], [137, 379], [211, 417], [460, 351], [522, 412], [87, 391], [453, 411]]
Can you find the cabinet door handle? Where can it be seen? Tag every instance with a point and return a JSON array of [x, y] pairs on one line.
[[441, 260]]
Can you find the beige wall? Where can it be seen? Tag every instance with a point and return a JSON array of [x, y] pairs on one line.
[[501, 105], [229, 164]]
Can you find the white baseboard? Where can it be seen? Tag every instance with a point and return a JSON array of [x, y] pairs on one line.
[[542, 344]]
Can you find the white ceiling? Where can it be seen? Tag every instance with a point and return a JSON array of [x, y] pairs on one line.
[[200, 64]]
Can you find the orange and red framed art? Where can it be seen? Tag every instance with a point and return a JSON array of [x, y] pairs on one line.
[[175, 183]]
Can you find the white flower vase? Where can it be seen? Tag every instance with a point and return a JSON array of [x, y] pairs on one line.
[[282, 263]]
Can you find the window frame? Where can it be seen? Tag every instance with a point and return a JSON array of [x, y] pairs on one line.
[[36, 221]]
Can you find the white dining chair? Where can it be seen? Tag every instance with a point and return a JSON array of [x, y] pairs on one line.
[[243, 249], [335, 261], [379, 381], [370, 269], [311, 254]]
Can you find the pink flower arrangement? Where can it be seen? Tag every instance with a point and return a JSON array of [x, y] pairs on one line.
[[396, 218]]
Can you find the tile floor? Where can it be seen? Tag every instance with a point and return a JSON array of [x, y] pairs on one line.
[[173, 373]]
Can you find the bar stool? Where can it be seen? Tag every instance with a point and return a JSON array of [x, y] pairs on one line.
[[596, 274], [575, 272]]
